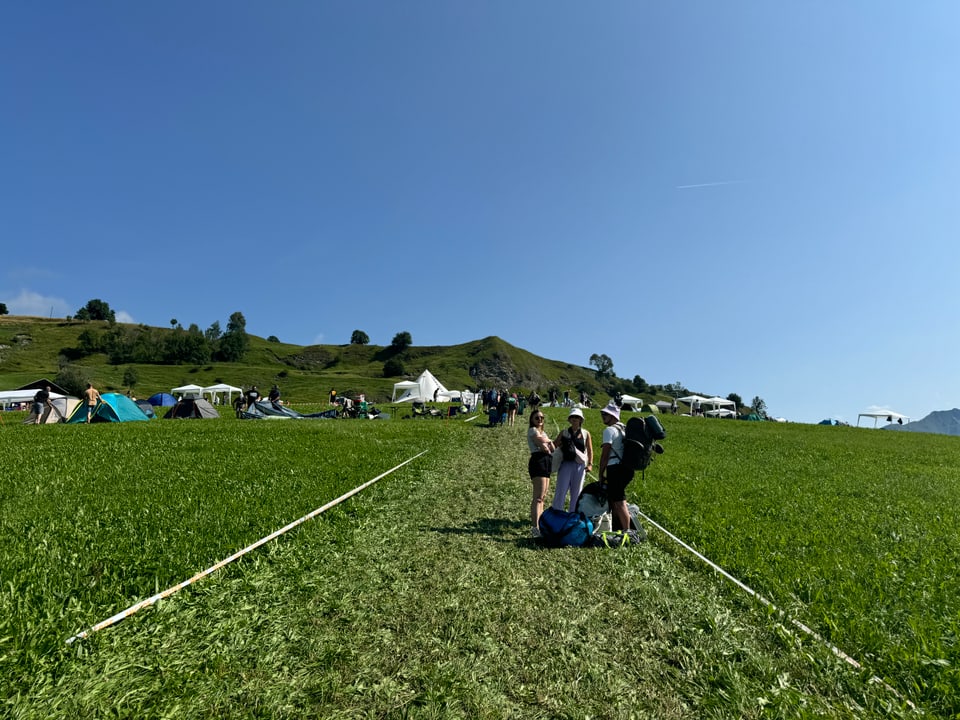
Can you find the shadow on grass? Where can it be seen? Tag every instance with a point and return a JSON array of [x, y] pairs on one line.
[[499, 529]]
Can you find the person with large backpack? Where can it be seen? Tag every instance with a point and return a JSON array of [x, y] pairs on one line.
[[615, 474]]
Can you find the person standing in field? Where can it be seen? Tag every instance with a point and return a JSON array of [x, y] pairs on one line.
[[512, 404], [41, 404], [252, 396], [614, 475], [274, 395], [92, 396], [541, 448], [577, 447]]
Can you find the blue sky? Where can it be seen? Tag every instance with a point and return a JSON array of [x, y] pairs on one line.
[[748, 197]]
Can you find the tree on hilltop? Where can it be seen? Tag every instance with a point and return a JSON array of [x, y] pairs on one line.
[[3, 309], [401, 341], [359, 337], [603, 364], [96, 310], [234, 342]]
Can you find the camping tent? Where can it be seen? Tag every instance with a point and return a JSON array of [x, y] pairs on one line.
[[878, 413], [188, 391], [63, 406], [423, 390], [162, 399], [146, 407], [191, 407], [113, 407]]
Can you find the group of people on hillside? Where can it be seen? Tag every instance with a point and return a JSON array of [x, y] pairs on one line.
[[576, 446]]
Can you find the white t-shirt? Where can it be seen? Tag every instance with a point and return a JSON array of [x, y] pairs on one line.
[[613, 435]]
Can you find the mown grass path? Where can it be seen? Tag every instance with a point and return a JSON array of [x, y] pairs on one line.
[[423, 597]]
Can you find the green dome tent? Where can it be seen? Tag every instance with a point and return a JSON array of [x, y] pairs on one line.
[[112, 407]]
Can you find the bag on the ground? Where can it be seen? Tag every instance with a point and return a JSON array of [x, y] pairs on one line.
[[640, 436], [593, 500], [564, 529]]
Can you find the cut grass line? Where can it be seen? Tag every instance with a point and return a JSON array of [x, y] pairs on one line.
[[796, 623], [136, 607]]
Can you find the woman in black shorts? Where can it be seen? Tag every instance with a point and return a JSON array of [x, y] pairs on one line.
[[541, 449]]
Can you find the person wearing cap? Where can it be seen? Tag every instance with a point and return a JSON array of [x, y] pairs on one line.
[[614, 476], [539, 466], [577, 460]]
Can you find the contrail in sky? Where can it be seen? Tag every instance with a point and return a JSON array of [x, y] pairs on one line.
[[712, 184]]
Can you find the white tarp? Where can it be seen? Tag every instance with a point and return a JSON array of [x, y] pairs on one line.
[[423, 390]]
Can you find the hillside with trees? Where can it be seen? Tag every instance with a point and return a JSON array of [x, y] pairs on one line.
[[143, 359]]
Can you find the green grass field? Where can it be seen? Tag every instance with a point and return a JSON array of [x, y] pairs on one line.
[[423, 596]]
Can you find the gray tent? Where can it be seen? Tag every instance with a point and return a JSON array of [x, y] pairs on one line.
[[196, 408]]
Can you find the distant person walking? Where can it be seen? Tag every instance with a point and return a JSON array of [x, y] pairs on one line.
[[513, 404], [91, 396], [541, 448]]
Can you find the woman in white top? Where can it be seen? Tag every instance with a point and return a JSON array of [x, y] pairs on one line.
[[541, 449]]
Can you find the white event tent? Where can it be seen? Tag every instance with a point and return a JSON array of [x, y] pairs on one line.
[[423, 389], [719, 403], [187, 391], [878, 413], [214, 390], [631, 403]]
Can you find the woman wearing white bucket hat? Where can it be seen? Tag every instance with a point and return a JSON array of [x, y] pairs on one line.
[[577, 448]]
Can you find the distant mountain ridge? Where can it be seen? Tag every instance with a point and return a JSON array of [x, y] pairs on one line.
[[940, 422]]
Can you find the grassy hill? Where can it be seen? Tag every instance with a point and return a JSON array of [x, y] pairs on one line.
[[31, 348]]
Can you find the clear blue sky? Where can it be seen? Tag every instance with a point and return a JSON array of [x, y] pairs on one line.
[[748, 197]]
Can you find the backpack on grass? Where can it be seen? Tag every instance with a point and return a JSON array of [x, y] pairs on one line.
[[564, 529]]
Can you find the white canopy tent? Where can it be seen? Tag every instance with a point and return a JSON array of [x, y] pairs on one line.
[[213, 390], [631, 403], [422, 390], [718, 403], [187, 391], [878, 413], [720, 413], [9, 397], [693, 401]]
